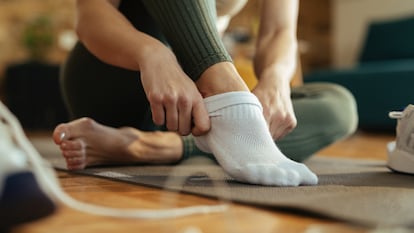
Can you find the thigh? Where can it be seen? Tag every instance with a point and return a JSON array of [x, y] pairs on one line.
[[110, 95], [325, 113]]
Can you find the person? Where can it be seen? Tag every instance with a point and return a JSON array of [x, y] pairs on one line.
[[150, 82]]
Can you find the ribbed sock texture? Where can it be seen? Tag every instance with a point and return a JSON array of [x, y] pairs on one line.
[[241, 142], [190, 149]]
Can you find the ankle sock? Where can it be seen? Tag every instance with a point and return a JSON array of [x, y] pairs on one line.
[[242, 144]]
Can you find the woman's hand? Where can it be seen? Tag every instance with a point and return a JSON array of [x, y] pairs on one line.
[[173, 96], [277, 105], [275, 63]]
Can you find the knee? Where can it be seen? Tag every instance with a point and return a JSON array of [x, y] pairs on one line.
[[341, 116]]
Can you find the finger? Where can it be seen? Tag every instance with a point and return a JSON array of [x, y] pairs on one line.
[[276, 130], [201, 119], [280, 130], [184, 117], [283, 133], [158, 114], [172, 116]]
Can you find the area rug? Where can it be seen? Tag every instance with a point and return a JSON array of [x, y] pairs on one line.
[[353, 190]]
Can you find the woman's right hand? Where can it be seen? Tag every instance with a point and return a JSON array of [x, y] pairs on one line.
[[173, 96]]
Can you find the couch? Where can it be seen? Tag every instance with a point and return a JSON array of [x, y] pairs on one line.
[[383, 79]]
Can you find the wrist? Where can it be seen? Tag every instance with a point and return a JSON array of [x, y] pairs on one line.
[[149, 52], [274, 75]]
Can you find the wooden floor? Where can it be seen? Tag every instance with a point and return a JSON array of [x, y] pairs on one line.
[[239, 219]]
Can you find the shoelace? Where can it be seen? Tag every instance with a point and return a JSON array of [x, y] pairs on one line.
[[44, 173], [396, 114]]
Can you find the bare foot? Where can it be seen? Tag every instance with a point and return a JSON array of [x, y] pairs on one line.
[[85, 143]]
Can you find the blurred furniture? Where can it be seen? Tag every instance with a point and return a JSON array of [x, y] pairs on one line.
[[384, 78]]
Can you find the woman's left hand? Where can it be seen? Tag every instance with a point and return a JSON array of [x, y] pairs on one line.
[[277, 106]]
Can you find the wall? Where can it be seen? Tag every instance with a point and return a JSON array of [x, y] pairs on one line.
[[314, 33], [16, 14], [350, 19]]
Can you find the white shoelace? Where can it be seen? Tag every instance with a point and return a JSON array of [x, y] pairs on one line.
[[44, 173], [396, 114]]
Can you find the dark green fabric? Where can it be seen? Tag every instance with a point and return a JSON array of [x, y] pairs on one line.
[[389, 40], [190, 28], [378, 90], [325, 113], [383, 79]]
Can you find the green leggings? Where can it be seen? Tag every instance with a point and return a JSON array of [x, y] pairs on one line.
[[115, 97]]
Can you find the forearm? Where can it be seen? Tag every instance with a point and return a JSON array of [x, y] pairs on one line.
[[276, 47], [276, 57], [110, 36]]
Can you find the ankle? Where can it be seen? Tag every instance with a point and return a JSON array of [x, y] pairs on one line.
[[220, 78]]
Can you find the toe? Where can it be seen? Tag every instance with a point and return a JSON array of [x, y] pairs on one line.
[[271, 175], [73, 154], [72, 145], [75, 166], [60, 133], [72, 130], [75, 163], [311, 179], [307, 176]]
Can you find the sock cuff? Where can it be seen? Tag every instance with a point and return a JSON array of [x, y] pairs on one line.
[[217, 102], [190, 149]]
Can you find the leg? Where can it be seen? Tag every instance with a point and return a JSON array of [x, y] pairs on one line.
[[190, 28], [113, 97], [108, 94], [117, 101], [239, 137], [325, 114], [77, 85], [84, 143]]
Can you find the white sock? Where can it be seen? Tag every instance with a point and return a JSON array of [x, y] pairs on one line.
[[242, 144]]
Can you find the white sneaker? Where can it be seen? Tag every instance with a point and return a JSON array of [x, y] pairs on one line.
[[401, 151], [29, 188], [22, 199]]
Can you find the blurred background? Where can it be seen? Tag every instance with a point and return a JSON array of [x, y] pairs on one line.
[[36, 36]]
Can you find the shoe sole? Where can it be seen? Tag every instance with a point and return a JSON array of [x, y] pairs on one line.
[[22, 200]]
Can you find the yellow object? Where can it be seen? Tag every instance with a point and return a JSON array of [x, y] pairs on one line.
[[245, 68]]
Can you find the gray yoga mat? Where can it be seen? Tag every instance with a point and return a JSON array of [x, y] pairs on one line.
[[358, 191]]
